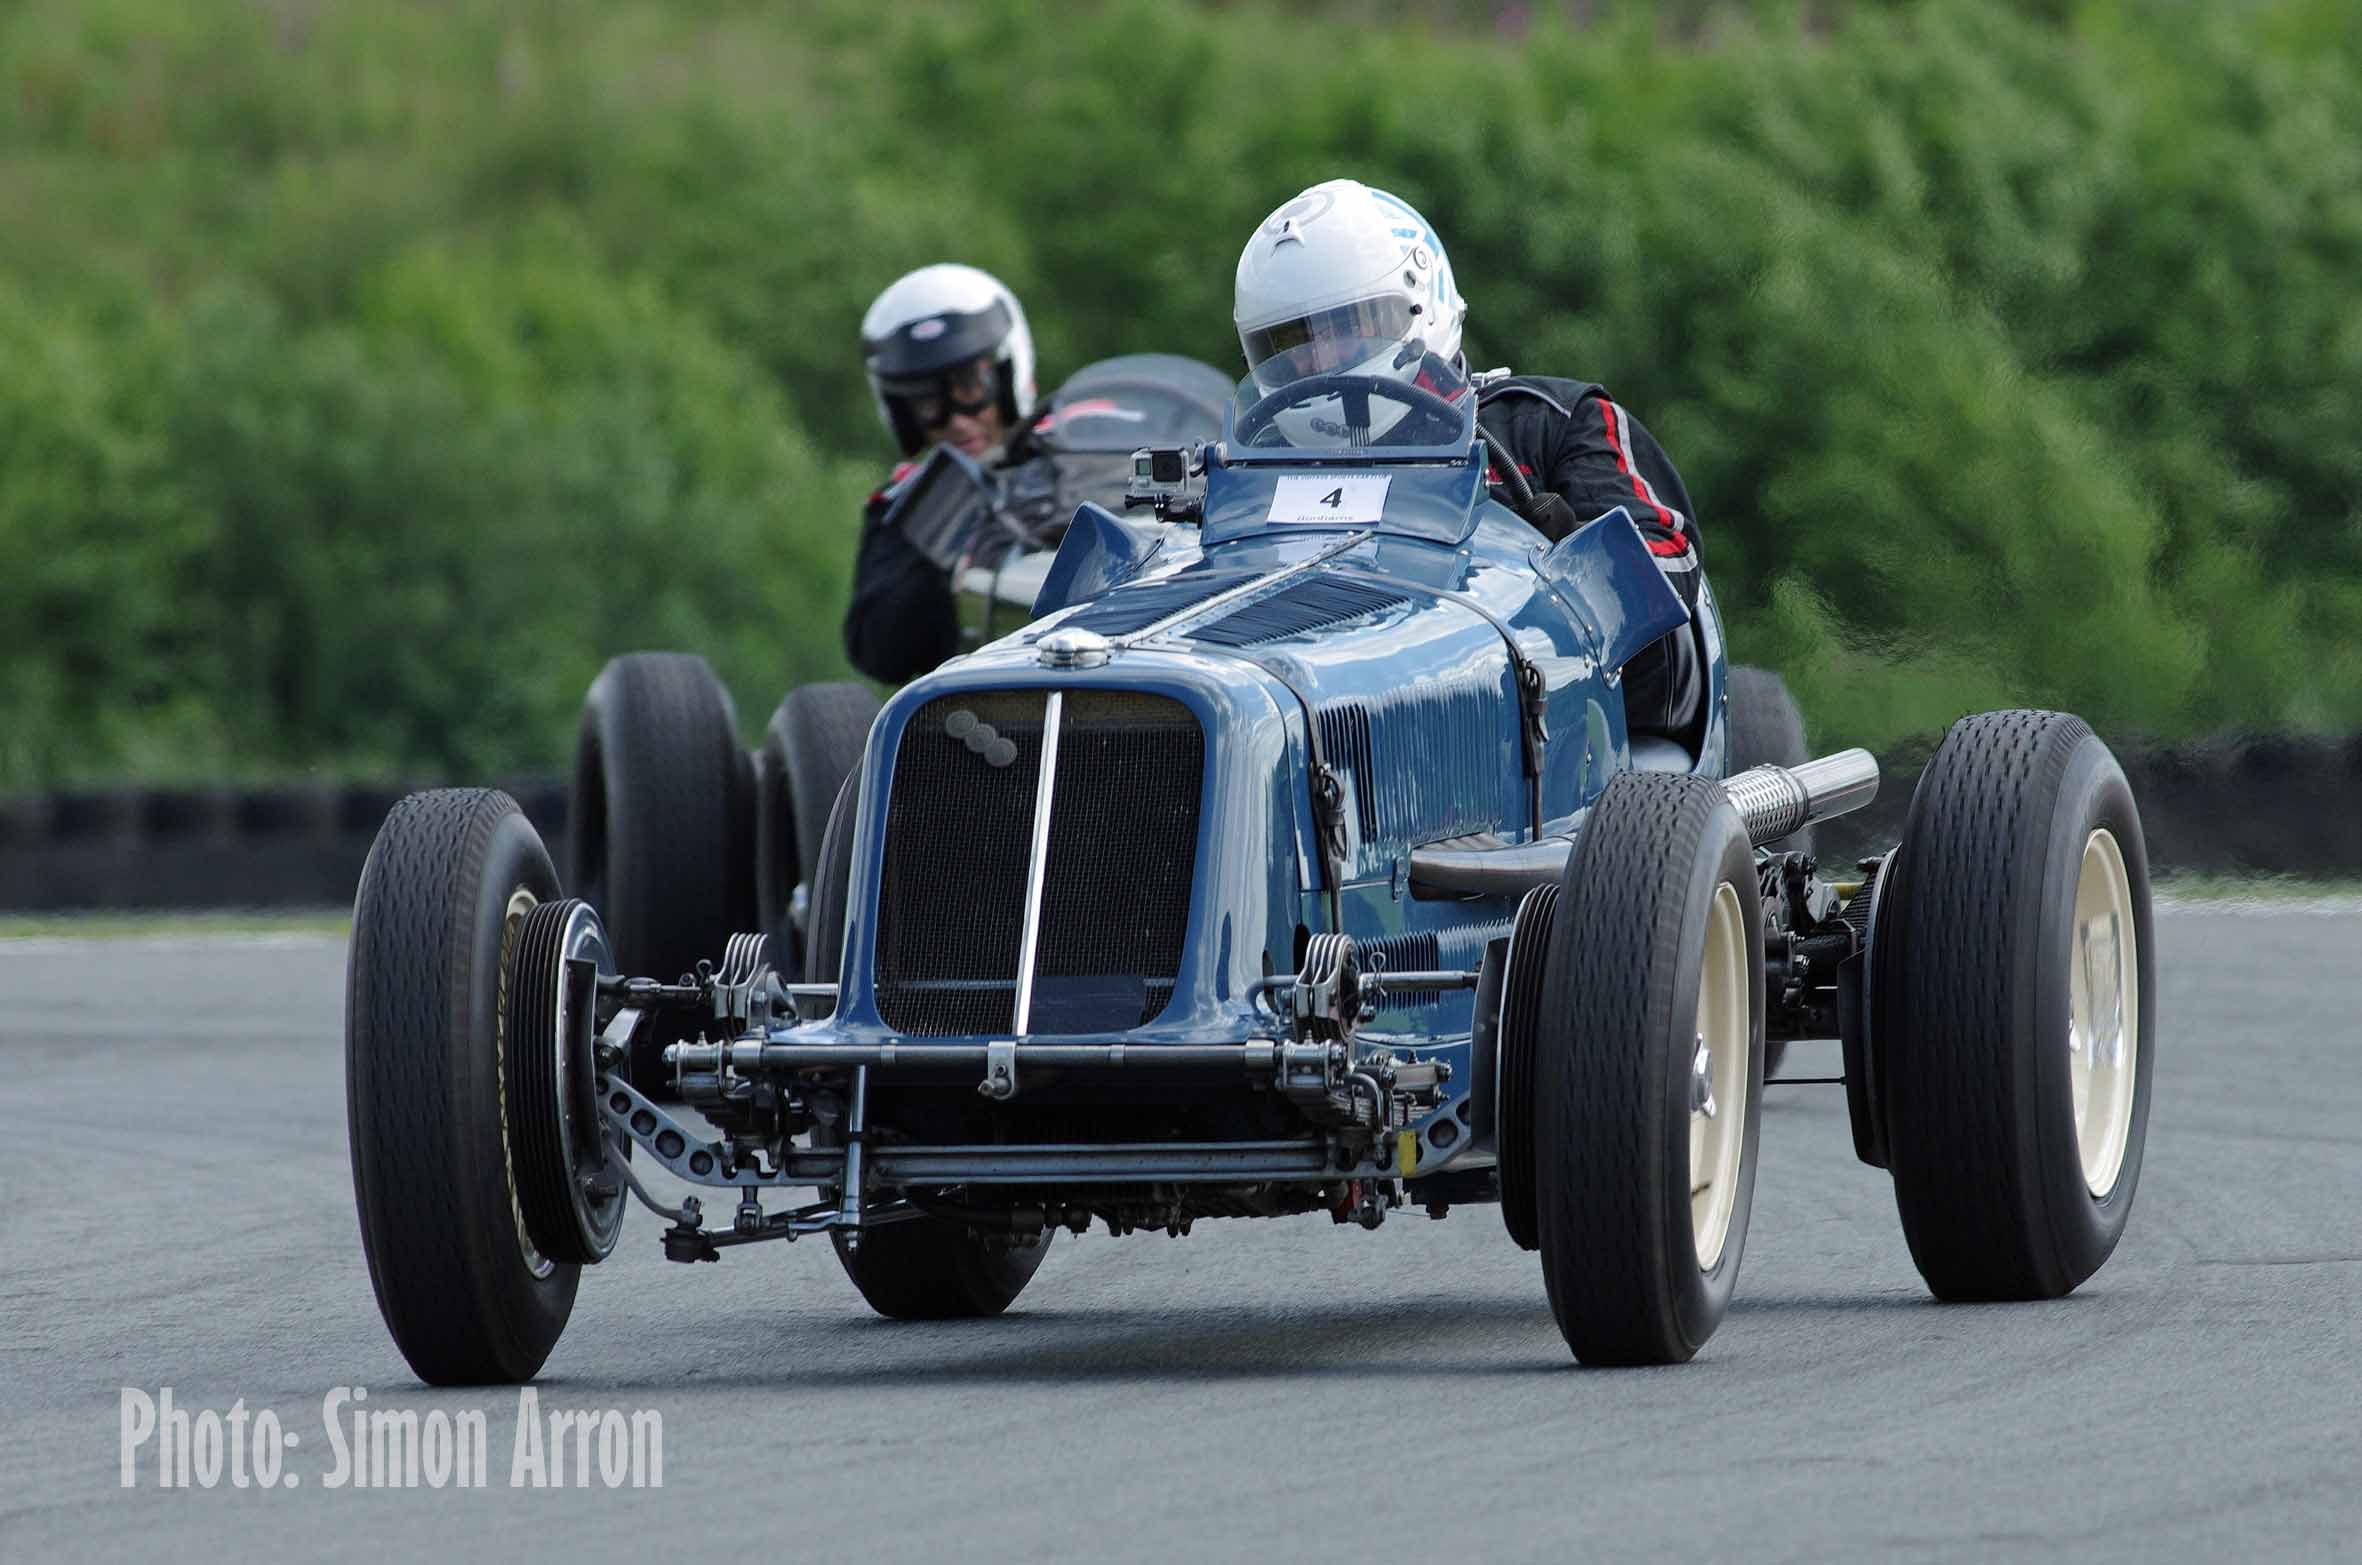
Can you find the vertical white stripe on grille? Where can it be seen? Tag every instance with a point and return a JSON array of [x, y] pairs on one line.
[[1043, 787]]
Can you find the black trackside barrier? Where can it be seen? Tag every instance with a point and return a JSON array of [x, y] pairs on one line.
[[2234, 804], [279, 845]]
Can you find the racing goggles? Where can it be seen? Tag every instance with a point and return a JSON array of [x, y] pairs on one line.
[[1324, 341], [969, 389]]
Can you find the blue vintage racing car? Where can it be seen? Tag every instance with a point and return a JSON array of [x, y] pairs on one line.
[[1292, 857]]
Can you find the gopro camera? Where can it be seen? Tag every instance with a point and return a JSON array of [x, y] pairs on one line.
[[1160, 476]]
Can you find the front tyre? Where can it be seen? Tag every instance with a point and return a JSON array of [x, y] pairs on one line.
[[2015, 1001], [1648, 1081], [445, 895]]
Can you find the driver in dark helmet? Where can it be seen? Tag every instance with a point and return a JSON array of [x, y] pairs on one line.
[[950, 361], [1347, 279]]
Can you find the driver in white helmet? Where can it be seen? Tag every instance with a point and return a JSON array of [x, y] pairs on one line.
[[1348, 279], [950, 362]]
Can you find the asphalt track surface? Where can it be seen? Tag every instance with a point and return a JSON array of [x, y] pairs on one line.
[[175, 1209]]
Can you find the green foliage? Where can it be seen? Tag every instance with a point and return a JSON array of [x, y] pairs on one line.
[[404, 541], [370, 373], [93, 537]]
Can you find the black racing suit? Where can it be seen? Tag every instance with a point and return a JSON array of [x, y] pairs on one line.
[[904, 619], [1570, 439]]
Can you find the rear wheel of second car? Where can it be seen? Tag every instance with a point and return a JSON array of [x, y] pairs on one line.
[[812, 744], [661, 822], [662, 815], [1767, 729]]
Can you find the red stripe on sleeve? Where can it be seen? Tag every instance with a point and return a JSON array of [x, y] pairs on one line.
[[1607, 417]]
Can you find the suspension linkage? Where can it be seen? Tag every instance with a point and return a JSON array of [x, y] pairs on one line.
[[648, 994], [685, 1242]]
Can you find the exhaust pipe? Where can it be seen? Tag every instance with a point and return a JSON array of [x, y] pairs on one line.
[[1773, 801]]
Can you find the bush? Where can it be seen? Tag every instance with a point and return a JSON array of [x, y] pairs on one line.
[[374, 372], [93, 538], [403, 543]]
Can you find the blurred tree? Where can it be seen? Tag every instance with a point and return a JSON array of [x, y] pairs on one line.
[[369, 373]]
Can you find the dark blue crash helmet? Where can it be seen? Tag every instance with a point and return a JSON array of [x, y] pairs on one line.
[[928, 327]]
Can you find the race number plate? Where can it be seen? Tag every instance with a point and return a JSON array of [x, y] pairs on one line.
[[1339, 500]]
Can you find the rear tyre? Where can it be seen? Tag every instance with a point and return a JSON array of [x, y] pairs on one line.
[[1767, 729], [662, 818], [812, 745], [1648, 1085], [2015, 1008], [445, 894], [824, 944], [927, 1269]]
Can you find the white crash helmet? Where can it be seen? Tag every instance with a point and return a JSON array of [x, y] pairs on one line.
[[929, 322], [1343, 279]]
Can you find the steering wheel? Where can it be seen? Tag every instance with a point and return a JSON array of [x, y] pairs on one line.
[[1355, 392]]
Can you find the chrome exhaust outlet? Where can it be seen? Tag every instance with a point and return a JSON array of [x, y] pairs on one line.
[[1773, 801]]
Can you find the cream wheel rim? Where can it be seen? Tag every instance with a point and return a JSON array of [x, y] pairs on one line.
[[521, 902], [2103, 1012], [1718, 1078]]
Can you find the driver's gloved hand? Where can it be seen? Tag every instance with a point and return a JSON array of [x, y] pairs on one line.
[[1550, 514]]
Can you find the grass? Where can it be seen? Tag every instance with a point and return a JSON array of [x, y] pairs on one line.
[[133, 926], [2223, 892]]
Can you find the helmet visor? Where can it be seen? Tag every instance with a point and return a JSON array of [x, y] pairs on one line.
[[934, 343], [1324, 341], [929, 401]]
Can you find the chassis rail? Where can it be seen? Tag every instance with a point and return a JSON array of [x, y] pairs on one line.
[[699, 1161], [1258, 1057]]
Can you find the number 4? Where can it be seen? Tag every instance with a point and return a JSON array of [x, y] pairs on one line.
[[1334, 497]]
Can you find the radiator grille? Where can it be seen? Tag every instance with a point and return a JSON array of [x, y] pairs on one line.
[[1115, 897], [951, 902], [1123, 849]]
